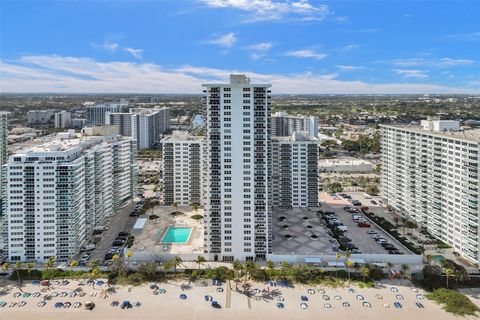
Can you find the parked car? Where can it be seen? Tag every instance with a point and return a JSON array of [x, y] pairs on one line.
[[363, 225], [88, 247], [373, 202]]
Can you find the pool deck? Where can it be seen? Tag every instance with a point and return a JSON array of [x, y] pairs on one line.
[[149, 242]]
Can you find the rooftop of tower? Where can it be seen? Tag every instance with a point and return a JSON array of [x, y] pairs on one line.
[[237, 80]]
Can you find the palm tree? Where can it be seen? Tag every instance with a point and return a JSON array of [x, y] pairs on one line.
[[250, 266], [73, 264], [390, 267], [348, 263], [50, 263], [337, 257], [176, 262], [17, 267], [200, 260], [404, 271], [174, 206], [270, 265], [94, 273], [365, 271], [448, 273], [30, 266], [195, 207], [5, 268], [237, 268], [167, 265], [129, 255]]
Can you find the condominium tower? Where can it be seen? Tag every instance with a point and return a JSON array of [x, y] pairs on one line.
[[284, 124], [295, 176], [430, 173], [144, 125], [3, 146], [63, 119], [238, 153], [182, 169], [95, 114], [59, 191]]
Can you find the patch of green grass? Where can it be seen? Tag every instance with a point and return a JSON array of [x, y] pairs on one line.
[[197, 217], [454, 302]]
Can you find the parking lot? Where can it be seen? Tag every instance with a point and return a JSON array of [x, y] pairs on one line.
[[120, 222], [359, 236]]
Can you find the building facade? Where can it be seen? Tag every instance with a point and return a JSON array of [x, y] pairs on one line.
[[295, 175], [63, 119], [59, 191], [285, 125], [182, 169], [237, 155], [144, 125], [430, 173], [3, 146], [41, 116], [95, 114]]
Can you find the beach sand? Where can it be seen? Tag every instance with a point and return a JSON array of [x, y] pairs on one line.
[[169, 306]]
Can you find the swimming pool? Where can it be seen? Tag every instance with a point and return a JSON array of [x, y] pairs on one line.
[[177, 235]]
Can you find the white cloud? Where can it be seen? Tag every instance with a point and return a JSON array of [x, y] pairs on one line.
[[227, 40], [268, 10], [107, 45], [410, 73], [467, 37], [136, 53], [257, 56], [437, 63], [350, 68], [84, 75], [262, 46], [306, 54]]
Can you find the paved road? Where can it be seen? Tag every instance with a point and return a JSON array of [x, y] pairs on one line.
[[120, 222]]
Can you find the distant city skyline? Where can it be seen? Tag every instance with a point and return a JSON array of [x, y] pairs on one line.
[[299, 46]]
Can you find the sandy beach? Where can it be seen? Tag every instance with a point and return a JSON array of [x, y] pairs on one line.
[[262, 306]]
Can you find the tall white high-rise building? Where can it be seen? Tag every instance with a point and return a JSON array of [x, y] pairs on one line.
[[238, 153], [63, 119], [95, 114], [59, 191], [430, 173], [284, 124], [3, 146], [295, 176], [145, 125], [182, 169]]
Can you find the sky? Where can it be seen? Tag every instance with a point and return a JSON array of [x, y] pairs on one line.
[[299, 46]]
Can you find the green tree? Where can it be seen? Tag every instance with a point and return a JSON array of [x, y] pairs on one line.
[[30, 266], [270, 265], [365, 271], [176, 262], [174, 206], [73, 264], [200, 260], [333, 187], [404, 268], [195, 207], [237, 268], [18, 265], [448, 273], [348, 263], [94, 273]]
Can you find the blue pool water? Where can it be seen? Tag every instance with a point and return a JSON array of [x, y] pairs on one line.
[[176, 235]]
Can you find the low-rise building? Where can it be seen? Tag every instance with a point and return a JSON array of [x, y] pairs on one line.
[[345, 165]]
